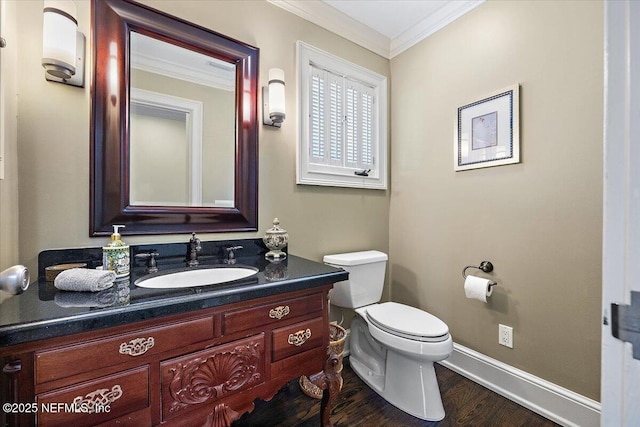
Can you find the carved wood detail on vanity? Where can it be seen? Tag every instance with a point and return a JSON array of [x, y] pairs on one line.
[[212, 374]]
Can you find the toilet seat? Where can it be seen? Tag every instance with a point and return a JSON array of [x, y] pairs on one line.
[[407, 322]]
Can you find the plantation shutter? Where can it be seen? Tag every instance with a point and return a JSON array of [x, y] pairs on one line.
[[352, 126], [367, 160], [317, 121], [336, 119], [341, 122]]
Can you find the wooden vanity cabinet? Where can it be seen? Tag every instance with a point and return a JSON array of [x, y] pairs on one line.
[[198, 368]]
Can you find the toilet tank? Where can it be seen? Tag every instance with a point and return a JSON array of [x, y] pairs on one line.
[[366, 278]]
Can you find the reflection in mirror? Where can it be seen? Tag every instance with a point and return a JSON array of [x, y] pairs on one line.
[[176, 157], [174, 147]]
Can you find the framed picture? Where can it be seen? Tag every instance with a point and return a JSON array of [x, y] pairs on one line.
[[488, 131]]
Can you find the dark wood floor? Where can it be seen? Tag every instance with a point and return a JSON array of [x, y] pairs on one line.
[[465, 402]]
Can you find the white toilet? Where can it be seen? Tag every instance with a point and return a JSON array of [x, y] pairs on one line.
[[392, 346]]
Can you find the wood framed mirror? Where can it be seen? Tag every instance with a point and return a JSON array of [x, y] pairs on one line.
[[155, 75]]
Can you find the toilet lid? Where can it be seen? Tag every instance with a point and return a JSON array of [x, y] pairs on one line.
[[407, 322]]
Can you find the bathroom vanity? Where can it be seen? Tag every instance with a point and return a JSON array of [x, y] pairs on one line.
[[194, 356]]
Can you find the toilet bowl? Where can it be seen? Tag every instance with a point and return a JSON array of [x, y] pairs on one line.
[[392, 346]]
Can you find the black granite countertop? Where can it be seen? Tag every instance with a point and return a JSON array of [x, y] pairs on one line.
[[43, 311]]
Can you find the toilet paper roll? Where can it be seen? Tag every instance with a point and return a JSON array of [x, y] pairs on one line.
[[477, 288]]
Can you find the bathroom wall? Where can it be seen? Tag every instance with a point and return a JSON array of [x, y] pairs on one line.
[[539, 221], [54, 141], [9, 242]]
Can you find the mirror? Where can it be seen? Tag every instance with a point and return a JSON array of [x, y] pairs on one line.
[[174, 125], [171, 90]]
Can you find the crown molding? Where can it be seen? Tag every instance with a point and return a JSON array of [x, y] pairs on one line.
[[423, 29], [320, 13]]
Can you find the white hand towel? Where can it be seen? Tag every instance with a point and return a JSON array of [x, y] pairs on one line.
[[83, 279]]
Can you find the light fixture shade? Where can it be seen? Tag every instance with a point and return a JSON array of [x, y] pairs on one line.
[[276, 95], [59, 38]]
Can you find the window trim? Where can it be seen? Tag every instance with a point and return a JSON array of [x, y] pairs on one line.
[[338, 176]]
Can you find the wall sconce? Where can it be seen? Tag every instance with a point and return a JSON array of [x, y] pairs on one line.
[[62, 43], [273, 112]]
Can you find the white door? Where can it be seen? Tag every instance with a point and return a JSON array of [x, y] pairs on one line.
[[620, 390]]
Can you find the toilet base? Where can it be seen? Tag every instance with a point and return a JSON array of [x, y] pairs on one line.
[[408, 384]]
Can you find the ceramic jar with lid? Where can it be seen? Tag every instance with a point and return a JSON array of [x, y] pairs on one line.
[[276, 239]]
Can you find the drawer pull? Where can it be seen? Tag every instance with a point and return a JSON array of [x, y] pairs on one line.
[[299, 337], [98, 400], [279, 312], [137, 346]]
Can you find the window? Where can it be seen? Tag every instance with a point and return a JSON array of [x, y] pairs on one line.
[[343, 122]]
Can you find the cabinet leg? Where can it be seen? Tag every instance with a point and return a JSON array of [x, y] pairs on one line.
[[221, 416], [11, 388], [332, 386]]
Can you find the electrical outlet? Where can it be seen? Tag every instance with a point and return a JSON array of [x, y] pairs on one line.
[[505, 336]]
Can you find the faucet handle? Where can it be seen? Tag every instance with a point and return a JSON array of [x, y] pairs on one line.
[[231, 256], [152, 266]]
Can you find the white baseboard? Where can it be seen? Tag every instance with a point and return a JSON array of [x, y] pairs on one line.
[[556, 403]]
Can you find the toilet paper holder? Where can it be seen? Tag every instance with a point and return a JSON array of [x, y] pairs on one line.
[[485, 266]]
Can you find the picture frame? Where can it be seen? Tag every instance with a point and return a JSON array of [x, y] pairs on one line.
[[488, 131]]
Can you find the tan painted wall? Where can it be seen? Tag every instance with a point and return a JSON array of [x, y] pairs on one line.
[[539, 221], [9, 242], [54, 141]]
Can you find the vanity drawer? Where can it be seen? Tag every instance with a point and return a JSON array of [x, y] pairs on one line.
[[248, 318], [297, 338], [206, 376], [88, 356], [96, 401]]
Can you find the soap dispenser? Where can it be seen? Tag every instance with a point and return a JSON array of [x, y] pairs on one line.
[[115, 255]]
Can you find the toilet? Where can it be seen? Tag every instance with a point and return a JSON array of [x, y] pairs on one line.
[[392, 346]]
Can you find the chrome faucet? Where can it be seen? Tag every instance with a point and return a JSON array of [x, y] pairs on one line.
[[194, 248]]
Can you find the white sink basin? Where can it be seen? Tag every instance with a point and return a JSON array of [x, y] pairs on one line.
[[196, 277]]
